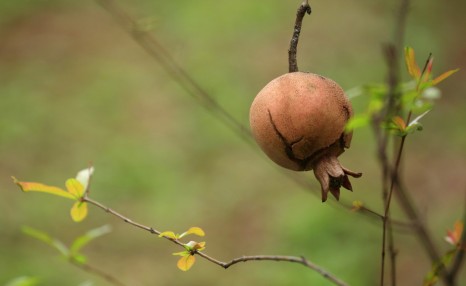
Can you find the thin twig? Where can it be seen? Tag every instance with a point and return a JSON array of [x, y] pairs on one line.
[[391, 108], [418, 225], [387, 207], [96, 271], [225, 265], [127, 220], [459, 257], [302, 10], [295, 259], [164, 58]]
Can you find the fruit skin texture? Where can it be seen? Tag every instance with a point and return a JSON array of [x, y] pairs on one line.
[[298, 120]]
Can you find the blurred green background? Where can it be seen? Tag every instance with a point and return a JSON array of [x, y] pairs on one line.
[[75, 88]]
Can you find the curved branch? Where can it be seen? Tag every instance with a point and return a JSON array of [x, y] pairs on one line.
[[295, 259], [302, 10], [278, 258], [459, 258], [175, 71]]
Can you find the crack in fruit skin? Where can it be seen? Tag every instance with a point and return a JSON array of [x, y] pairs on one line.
[[288, 146], [307, 163]]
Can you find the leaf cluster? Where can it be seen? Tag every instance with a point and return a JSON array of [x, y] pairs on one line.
[[415, 96], [187, 256], [76, 189]]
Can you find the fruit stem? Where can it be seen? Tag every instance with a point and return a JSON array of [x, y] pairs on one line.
[[302, 10]]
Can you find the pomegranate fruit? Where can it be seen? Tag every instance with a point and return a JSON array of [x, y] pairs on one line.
[[298, 120]]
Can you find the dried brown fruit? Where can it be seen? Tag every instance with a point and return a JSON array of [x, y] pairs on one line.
[[298, 119]]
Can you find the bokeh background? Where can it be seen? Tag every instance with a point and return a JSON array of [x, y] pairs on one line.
[[75, 88]]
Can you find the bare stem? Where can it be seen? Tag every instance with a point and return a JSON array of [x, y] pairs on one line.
[[392, 107], [150, 44], [225, 265], [96, 271], [128, 220], [302, 10], [294, 259], [459, 257], [386, 218]]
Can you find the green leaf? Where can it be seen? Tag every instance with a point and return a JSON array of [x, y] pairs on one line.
[[169, 234], [23, 281], [79, 211], [75, 188], [443, 76], [79, 258], [182, 253], [46, 238], [37, 234], [375, 90], [357, 121], [432, 277], [408, 98], [354, 92], [193, 230], [186, 262], [83, 240], [413, 128], [38, 187]]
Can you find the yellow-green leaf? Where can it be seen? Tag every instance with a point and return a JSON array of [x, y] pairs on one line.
[[357, 205], [38, 187], [410, 59], [443, 76], [46, 238], [169, 234], [75, 188], [186, 262], [79, 211], [182, 253], [193, 230]]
